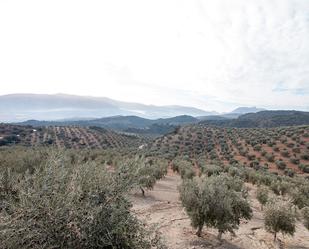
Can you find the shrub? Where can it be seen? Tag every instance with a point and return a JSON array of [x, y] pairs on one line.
[[262, 195], [305, 156], [251, 157], [210, 169], [185, 169], [305, 213], [65, 205], [285, 153], [279, 217], [270, 157], [294, 160], [304, 168], [290, 145], [289, 172], [280, 164], [296, 150], [257, 147], [280, 187], [276, 149], [300, 194]]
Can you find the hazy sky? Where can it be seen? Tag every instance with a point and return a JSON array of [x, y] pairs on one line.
[[212, 54]]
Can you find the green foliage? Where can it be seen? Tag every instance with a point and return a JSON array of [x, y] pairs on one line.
[[280, 216], [270, 157], [251, 157], [21, 159], [66, 204], [257, 147], [143, 172], [211, 169], [305, 213], [280, 164], [300, 194], [294, 160], [289, 172], [262, 194], [184, 168], [304, 167], [305, 155], [280, 187], [216, 201]]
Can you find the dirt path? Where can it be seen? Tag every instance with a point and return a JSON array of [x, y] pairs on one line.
[[162, 207]]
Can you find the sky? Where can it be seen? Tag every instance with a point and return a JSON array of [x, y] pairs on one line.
[[210, 54]]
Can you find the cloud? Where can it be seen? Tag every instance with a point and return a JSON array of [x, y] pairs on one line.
[[213, 54]]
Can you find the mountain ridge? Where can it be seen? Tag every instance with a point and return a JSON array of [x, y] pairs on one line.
[[22, 107], [263, 119]]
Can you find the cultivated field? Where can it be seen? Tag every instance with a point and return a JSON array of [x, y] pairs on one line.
[[66, 136], [280, 150], [198, 187]]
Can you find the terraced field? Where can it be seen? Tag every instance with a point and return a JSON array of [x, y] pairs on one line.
[[284, 149], [66, 136]]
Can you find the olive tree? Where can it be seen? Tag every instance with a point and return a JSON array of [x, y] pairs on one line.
[[262, 195], [142, 172], [280, 216], [65, 205], [305, 213], [184, 168], [215, 201]]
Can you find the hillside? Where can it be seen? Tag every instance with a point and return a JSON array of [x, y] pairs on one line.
[[68, 137], [132, 124], [21, 107], [155, 127], [274, 149], [263, 119]]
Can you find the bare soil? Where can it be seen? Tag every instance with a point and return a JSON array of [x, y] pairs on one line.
[[161, 207]]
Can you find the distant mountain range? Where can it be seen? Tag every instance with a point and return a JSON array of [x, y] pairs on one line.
[[62, 109], [21, 107], [138, 125], [263, 119], [130, 124], [244, 110]]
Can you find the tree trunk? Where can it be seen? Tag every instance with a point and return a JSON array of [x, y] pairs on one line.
[[143, 191], [275, 236], [220, 235], [199, 231]]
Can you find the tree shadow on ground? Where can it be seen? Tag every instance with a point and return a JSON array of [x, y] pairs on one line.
[[211, 241]]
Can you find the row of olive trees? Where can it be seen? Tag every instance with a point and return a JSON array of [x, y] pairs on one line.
[[219, 200], [291, 200]]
